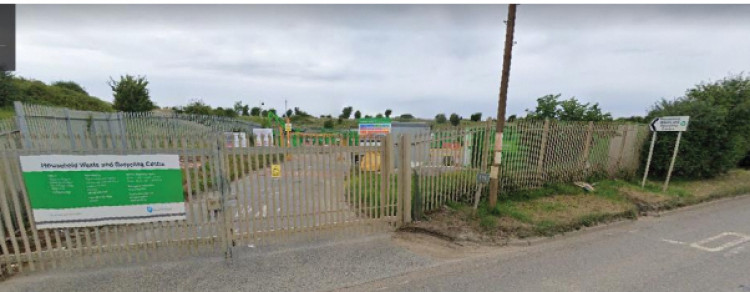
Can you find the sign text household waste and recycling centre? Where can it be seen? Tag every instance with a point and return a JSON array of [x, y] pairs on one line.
[[93, 190]]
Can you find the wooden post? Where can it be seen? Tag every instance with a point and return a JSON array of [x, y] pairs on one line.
[[586, 149], [502, 100], [671, 164], [648, 160], [483, 162], [625, 131], [542, 151], [405, 179]]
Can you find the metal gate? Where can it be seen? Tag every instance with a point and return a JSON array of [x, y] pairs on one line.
[[233, 195]]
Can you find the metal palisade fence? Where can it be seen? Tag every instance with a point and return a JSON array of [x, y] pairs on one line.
[[245, 193], [232, 195]]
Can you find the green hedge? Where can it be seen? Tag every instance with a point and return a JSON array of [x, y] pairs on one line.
[[717, 138]]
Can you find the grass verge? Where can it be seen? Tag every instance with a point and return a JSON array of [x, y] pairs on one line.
[[561, 208]]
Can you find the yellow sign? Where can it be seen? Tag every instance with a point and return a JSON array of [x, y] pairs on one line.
[[288, 127], [276, 170]]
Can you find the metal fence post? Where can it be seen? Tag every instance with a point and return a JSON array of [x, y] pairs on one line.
[[227, 238], [111, 130], [671, 164], [385, 167], [22, 126], [405, 178], [70, 129], [121, 123], [648, 160]]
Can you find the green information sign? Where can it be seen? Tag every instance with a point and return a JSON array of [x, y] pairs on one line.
[[94, 190]]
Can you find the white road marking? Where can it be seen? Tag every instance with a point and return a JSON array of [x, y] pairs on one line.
[[741, 238], [673, 241]]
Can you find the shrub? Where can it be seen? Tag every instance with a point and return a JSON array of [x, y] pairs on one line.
[[440, 119], [455, 119], [32, 91], [131, 94], [717, 136]]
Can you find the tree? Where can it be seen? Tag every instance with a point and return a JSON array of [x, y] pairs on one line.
[[197, 107], [255, 111], [71, 86], [245, 110], [238, 107], [635, 119], [388, 113], [406, 117], [379, 115], [224, 112], [551, 107], [440, 119], [328, 124], [273, 110], [8, 90], [455, 119], [476, 117], [346, 112], [299, 112], [357, 115], [512, 118], [131, 94], [289, 113]]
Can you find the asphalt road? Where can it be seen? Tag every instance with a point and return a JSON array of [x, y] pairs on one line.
[[705, 248]]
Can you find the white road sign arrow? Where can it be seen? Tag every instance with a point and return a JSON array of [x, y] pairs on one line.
[[670, 124]]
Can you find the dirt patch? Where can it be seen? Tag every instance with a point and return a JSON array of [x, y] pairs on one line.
[[648, 201], [459, 226], [438, 247]]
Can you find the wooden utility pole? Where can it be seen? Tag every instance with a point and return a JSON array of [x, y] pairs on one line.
[[495, 169]]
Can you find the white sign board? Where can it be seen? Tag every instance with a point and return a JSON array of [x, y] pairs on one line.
[[670, 124]]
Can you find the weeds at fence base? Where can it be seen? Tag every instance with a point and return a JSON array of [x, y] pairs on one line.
[[561, 208]]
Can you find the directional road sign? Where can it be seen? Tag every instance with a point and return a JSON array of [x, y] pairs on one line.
[[670, 124]]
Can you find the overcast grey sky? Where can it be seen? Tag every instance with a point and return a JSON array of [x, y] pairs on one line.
[[420, 59]]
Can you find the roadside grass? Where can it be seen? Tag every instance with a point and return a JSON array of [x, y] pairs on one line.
[[563, 207], [560, 208], [7, 112]]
